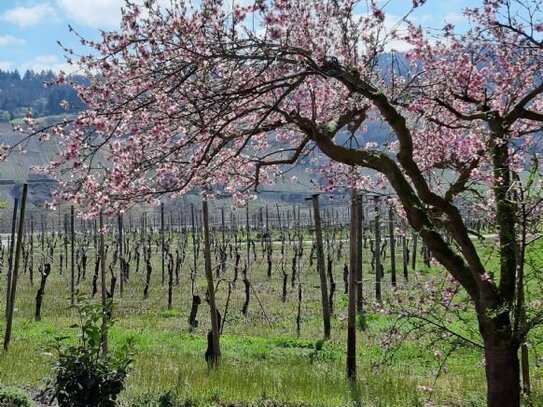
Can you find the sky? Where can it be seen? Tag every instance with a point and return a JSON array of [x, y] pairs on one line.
[[30, 29]]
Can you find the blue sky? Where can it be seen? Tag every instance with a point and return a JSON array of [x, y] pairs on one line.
[[29, 29]]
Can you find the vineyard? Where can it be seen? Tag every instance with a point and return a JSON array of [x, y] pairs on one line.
[[268, 292], [272, 203]]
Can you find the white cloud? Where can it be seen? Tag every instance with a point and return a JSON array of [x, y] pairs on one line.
[[398, 46], [27, 16], [104, 14], [5, 65], [6, 40], [94, 13], [395, 24], [46, 63]]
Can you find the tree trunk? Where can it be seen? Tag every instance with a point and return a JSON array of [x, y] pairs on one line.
[[501, 364]]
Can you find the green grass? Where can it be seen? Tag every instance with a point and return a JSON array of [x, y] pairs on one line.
[[277, 368], [262, 356]]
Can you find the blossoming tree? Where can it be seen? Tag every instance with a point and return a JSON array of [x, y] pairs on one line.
[[212, 98]]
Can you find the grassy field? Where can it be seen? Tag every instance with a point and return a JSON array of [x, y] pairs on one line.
[[263, 357]]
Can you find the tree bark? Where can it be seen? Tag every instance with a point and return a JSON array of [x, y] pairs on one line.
[[502, 366]]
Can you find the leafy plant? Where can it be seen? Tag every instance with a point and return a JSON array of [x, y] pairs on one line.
[[84, 376], [15, 397]]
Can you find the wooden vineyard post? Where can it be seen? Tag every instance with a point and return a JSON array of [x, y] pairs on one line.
[[65, 242], [321, 267], [351, 316], [215, 353], [298, 256], [377, 248], [247, 227], [169, 255], [162, 255], [359, 260], [194, 251], [222, 251], [105, 314], [405, 253], [245, 269], [392, 241], [284, 274], [426, 254], [414, 252], [31, 250], [15, 271], [42, 237], [10, 258], [72, 255], [121, 254], [269, 247]]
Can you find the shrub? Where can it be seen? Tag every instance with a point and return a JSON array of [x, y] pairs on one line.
[[14, 397], [83, 375]]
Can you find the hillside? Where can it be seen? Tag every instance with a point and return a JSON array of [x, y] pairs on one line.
[[21, 94], [18, 168]]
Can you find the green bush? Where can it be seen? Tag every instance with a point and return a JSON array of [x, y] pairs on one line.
[[83, 375], [14, 397]]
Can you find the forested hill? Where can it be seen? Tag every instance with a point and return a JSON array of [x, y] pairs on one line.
[[19, 94], [30, 92]]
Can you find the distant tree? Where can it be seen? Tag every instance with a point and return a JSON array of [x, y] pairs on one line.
[[208, 99], [4, 116], [19, 95]]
